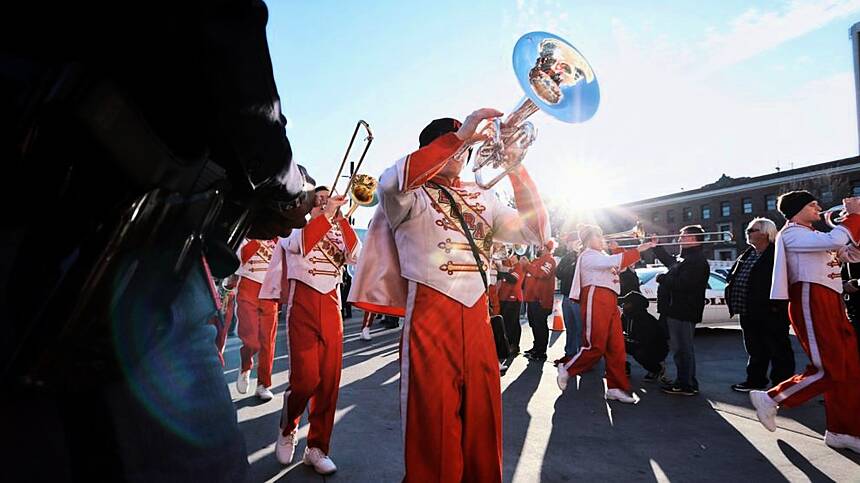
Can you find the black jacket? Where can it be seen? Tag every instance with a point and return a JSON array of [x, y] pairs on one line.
[[681, 293], [564, 271], [759, 303], [641, 329]]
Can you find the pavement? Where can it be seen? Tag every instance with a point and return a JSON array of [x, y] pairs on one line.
[[551, 436]]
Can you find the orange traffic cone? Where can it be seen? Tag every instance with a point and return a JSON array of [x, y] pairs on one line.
[[557, 317]]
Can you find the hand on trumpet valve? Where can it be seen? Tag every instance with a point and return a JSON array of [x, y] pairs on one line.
[[332, 206], [468, 132]]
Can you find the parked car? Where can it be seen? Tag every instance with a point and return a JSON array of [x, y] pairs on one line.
[[716, 313]]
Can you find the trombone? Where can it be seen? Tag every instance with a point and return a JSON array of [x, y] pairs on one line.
[[361, 188], [724, 236]]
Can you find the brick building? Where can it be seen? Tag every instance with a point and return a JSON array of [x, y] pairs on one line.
[[730, 203]]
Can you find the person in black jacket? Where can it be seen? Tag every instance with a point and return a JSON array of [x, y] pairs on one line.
[[851, 294], [644, 336], [680, 302], [764, 321], [564, 271], [150, 141]]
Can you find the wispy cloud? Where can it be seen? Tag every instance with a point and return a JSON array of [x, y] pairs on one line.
[[756, 31]]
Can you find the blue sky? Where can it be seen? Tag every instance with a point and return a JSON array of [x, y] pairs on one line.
[[689, 90]]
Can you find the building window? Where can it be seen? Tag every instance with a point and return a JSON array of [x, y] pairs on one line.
[[747, 205], [688, 214], [655, 218], [770, 202], [726, 208], [826, 194], [706, 212], [855, 188], [670, 216], [726, 227]]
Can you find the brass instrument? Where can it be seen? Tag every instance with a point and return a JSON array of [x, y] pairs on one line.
[[725, 236], [363, 192], [368, 139], [834, 216], [361, 188], [557, 80]]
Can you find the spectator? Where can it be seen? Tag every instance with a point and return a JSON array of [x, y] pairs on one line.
[[764, 321], [644, 336], [681, 301], [851, 294]]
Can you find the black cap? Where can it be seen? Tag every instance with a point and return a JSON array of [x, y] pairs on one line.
[[437, 128], [792, 202]]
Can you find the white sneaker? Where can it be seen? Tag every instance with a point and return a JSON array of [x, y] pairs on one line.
[[264, 393], [320, 461], [562, 378], [765, 409], [621, 396], [243, 381], [365, 334], [836, 440], [285, 447]]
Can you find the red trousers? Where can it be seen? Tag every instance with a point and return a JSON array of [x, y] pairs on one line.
[[315, 337], [818, 316], [258, 325], [450, 394], [602, 336]]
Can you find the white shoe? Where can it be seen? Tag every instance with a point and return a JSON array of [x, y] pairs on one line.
[[264, 393], [365, 334], [243, 382], [765, 409], [562, 378], [502, 366], [285, 447], [621, 396], [320, 461], [846, 441]]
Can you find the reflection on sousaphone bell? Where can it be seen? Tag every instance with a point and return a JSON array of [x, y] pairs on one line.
[[557, 80]]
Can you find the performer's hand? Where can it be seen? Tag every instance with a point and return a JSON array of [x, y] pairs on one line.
[[646, 246], [852, 205], [468, 131], [333, 205]]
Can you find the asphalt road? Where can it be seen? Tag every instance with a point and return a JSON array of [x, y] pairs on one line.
[[555, 437]]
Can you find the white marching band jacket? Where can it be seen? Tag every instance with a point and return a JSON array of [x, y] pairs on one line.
[[594, 267], [317, 253], [803, 254], [432, 248], [415, 235], [255, 268]]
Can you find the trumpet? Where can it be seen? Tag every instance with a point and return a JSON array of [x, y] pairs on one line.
[[834, 216], [556, 79]]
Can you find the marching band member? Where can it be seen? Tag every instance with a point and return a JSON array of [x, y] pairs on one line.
[[540, 284], [596, 287], [450, 388], [258, 318], [316, 255], [807, 273], [511, 279]]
